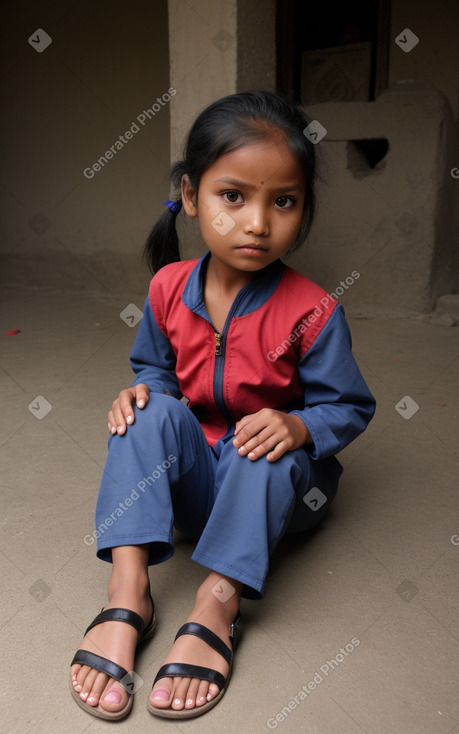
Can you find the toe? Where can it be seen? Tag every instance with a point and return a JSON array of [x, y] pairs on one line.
[[190, 698], [74, 671], [213, 691], [86, 679], [180, 693], [114, 698], [162, 693], [99, 684], [201, 694]]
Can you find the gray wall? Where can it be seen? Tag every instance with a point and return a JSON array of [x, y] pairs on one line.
[[65, 107], [109, 62]]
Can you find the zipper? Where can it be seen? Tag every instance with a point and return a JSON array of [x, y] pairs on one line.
[[218, 344]]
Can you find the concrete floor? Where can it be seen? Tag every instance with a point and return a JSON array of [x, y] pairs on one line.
[[378, 579]]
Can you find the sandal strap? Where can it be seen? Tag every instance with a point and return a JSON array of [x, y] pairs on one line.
[[84, 657], [117, 614], [184, 670], [204, 633]]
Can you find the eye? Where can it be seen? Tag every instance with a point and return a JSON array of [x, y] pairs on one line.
[[233, 197], [284, 202]]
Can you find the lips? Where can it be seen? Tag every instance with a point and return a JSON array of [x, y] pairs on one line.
[[251, 246]]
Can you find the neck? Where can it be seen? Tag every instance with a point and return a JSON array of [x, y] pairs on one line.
[[228, 280]]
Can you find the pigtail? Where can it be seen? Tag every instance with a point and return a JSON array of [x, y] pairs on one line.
[[162, 245]]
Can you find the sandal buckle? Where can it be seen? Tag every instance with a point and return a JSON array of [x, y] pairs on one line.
[[235, 628]]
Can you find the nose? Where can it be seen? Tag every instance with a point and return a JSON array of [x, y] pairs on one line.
[[256, 219]]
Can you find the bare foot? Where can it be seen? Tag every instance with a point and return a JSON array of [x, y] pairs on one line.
[[187, 693], [115, 641]]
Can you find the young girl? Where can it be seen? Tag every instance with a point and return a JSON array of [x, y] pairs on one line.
[[263, 357]]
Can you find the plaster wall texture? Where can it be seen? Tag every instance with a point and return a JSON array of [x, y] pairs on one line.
[[434, 62], [66, 106], [232, 47], [391, 223]]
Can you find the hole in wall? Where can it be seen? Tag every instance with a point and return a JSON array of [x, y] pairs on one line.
[[366, 156]]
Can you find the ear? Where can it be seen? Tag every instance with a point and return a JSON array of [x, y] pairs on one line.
[[189, 197]]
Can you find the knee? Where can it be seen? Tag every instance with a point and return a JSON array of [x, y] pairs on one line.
[[160, 408], [315, 495]]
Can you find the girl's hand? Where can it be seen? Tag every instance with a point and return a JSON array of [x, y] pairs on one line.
[[122, 413], [270, 432]]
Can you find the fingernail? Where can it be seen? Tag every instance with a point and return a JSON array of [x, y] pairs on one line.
[[113, 696], [162, 694]]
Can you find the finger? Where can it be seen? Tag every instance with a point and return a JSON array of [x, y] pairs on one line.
[[112, 425], [142, 394], [261, 449], [253, 442], [240, 425], [249, 430], [260, 444], [279, 450], [125, 412]]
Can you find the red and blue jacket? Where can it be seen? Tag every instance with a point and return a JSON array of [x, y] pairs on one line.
[[285, 345]]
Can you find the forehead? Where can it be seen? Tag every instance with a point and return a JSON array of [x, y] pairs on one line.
[[267, 160]]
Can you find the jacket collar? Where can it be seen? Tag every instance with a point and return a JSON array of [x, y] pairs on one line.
[[250, 297]]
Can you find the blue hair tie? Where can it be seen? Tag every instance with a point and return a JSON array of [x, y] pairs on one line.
[[174, 206]]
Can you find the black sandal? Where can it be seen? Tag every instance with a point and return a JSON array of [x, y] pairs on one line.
[[113, 670], [173, 670]]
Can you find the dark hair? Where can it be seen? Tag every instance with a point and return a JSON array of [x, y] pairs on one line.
[[224, 126]]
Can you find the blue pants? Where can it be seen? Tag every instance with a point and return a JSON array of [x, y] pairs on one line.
[[162, 474]]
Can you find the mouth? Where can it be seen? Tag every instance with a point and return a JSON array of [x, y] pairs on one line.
[[251, 248]]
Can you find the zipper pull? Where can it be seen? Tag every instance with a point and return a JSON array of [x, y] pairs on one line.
[[218, 343]]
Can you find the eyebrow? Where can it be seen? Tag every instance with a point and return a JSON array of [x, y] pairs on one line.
[[244, 184]]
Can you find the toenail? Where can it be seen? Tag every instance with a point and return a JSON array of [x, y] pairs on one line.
[[202, 698], [91, 699], [113, 696], [162, 694], [177, 701], [84, 695], [189, 701]]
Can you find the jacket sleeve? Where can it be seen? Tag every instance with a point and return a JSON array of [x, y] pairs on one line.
[[152, 357], [338, 403]]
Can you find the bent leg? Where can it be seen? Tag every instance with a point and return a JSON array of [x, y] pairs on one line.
[[163, 454], [254, 506]]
